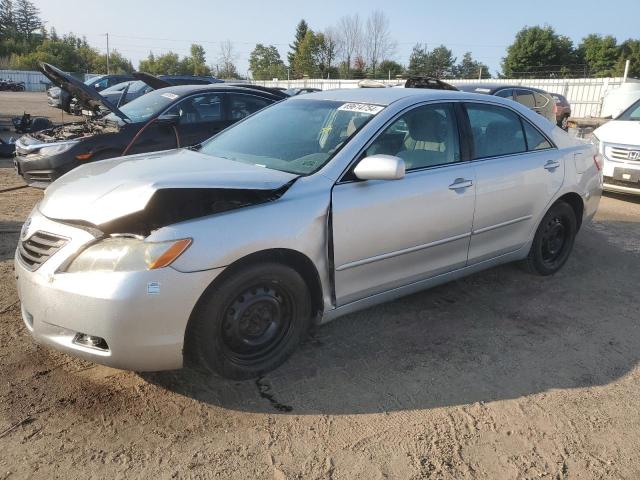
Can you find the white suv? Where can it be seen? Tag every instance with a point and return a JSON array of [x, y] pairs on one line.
[[618, 141]]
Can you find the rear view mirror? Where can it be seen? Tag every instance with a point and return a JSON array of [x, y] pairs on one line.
[[380, 167], [169, 120]]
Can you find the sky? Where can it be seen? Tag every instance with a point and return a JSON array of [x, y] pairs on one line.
[[486, 28]]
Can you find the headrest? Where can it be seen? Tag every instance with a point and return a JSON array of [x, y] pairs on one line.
[[427, 126]]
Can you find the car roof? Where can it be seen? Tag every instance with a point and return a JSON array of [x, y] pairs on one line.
[[383, 96], [494, 87], [182, 90]]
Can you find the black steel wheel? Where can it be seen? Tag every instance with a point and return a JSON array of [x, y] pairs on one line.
[[251, 322], [553, 241]]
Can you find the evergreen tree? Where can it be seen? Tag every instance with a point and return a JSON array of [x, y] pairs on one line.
[[301, 33], [27, 18]]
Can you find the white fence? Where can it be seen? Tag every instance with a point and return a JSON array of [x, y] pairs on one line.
[[584, 94]]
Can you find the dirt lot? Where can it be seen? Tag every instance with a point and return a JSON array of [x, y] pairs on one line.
[[500, 375]]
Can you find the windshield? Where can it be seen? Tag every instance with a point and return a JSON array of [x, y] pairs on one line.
[[296, 136], [632, 113], [92, 80], [143, 108]]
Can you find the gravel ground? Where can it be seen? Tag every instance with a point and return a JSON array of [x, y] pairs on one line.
[[499, 375]]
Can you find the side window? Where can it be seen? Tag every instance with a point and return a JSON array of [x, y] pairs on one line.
[[526, 98], [241, 106], [496, 130], [199, 109], [506, 93], [423, 137], [535, 140]]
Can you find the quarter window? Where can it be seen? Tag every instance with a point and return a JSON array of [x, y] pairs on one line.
[[496, 131], [535, 140], [423, 137]]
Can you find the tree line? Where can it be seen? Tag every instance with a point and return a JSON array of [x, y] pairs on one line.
[[352, 48]]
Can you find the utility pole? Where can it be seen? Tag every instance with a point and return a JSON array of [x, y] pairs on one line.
[[626, 71], [480, 73], [107, 34]]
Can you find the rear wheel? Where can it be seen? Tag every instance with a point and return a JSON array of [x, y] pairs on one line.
[[553, 241], [252, 322]]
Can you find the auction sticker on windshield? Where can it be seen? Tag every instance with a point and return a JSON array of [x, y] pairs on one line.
[[361, 107]]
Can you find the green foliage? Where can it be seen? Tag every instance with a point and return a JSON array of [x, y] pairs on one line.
[[438, 63], [539, 51], [301, 33], [629, 50], [306, 58], [265, 63], [170, 63], [599, 54], [470, 68], [389, 67]]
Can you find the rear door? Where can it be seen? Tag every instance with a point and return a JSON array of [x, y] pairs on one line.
[[518, 171], [388, 234]]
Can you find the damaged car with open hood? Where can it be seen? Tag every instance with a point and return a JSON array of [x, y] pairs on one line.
[[167, 118], [226, 253]]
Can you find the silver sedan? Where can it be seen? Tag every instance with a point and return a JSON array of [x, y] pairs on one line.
[[225, 254]]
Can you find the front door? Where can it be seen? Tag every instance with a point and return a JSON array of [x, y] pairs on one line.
[[518, 172], [388, 234], [200, 116]]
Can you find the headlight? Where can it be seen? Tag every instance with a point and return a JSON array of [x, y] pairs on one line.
[[56, 148], [123, 254]]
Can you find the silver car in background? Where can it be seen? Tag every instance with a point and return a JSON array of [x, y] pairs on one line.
[[315, 207]]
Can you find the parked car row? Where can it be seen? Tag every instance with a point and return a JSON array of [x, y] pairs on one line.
[[171, 117], [307, 208]]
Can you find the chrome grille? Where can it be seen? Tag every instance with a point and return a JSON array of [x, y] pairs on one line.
[[622, 153], [37, 249]]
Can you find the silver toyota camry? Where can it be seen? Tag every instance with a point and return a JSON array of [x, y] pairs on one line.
[[226, 253]]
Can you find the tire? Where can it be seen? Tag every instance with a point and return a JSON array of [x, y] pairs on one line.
[[250, 323], [553, 241]]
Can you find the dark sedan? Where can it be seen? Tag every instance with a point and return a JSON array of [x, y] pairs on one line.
[[537, 100], [177, 116]]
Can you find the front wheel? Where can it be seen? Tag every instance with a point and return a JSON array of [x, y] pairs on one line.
[[252, 322], [553, 241]]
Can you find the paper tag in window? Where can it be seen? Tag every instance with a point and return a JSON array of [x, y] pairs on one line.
[[361, 107], [170, 96]]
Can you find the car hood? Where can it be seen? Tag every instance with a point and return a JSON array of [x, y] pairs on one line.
[[151, 80], [103, 191], [625, 132], [88, 96]]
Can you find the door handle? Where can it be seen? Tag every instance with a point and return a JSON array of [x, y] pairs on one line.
[[460, 183], [551, 165]]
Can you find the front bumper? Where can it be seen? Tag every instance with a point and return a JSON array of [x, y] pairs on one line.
[[143, 327], [621, 176], [40, 171]]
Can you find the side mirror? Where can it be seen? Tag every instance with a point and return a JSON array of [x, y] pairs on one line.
[[380, 167], [168, 120]]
